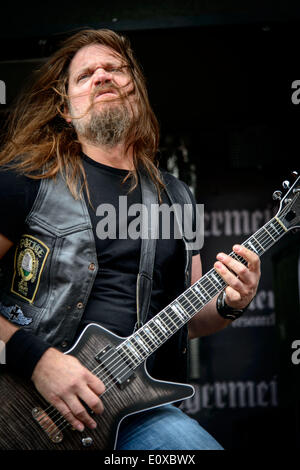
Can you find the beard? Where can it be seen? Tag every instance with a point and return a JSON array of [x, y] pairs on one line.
[[106, 127]]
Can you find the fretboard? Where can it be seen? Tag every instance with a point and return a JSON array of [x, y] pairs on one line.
[[137, 347]]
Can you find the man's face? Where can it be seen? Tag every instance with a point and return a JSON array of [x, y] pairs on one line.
[[99, 94]]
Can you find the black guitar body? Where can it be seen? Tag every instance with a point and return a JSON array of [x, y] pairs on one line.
[[25, 426]]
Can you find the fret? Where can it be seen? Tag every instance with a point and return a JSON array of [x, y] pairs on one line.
[[169, 318], [174, 308], [273, 230], [197, 289], [219, 281], [134, 349], [160, 326], [141, 343], [144, 338], [251, 247], [185, 297], [132, 352], [211, 281], [149, 324], [281, 224], [278, 226], [181, 312], [193, 299], [149, 334], [259, 243], [125, 356], [157, 330], [165, 324], [236, 257], [270, 235], [202, 286], [214, 286]]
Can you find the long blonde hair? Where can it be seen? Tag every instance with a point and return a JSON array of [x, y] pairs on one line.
[[40, 143]]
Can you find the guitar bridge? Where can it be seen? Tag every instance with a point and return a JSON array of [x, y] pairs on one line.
[[47, 425]]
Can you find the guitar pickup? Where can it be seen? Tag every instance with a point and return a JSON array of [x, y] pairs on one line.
[[117, 368]]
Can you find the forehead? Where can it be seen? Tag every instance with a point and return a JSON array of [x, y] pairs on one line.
[[94, 54]]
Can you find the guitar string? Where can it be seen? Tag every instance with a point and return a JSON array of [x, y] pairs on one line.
[[177, 327], [186, 307]]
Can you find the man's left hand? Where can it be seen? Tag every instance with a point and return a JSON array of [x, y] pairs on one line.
[[242, 280]]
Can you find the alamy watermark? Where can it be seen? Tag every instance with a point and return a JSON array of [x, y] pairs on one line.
[[162, 221], [296, 354], [2, 92], [296, 94], [2, 352]]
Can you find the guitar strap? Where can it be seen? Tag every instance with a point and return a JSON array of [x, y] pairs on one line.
[[149, 230], [177, 193]]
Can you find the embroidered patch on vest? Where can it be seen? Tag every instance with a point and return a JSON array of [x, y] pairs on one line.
[[15, 314], [30, 258]]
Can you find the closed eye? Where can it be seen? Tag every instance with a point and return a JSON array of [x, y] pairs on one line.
[[83, 76]]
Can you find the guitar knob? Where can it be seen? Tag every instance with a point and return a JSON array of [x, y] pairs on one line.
[[277, 195], [286, 184], [87, 441], [295, 174]]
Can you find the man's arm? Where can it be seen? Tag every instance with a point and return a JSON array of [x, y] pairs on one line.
[[7, 329], [242, 286], [60, 378]]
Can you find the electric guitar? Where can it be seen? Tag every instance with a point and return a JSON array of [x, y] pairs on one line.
[[27, 422]]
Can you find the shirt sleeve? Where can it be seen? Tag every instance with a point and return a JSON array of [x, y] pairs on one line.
[[17, 195]]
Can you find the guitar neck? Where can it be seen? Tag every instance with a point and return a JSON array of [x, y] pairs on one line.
[[141, 344]]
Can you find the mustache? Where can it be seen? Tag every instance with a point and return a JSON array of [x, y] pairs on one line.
[[111, 87]]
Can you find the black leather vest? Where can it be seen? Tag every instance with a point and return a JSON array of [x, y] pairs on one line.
[[47, 279]]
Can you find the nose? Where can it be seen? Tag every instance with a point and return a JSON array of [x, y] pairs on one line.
[[102, 76]]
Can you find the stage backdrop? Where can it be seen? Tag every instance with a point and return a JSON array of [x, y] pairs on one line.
[[236, 372]]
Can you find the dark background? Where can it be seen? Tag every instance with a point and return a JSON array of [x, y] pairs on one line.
[[220, 77]]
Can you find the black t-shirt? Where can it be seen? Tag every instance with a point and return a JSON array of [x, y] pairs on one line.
[[112, 302]]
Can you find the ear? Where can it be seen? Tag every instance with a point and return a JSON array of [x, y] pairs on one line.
[[66, 113]]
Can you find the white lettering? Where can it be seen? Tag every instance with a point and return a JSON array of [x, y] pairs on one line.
[[254, 321], [106, 227], [2, 92], [262, 301], [2, 352], [262, 390], [220, 392], [227, 395], [296, 354], [295, 95], [116, 460], [234, 222], [142, 224]]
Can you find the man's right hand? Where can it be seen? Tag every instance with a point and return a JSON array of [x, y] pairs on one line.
[[63, 381]]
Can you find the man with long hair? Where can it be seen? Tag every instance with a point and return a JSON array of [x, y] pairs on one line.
[[78, 138]]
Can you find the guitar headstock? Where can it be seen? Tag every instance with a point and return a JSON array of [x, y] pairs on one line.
[[289, 210]]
